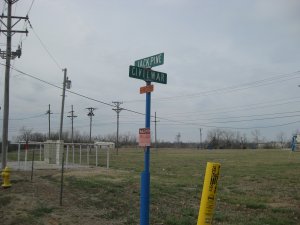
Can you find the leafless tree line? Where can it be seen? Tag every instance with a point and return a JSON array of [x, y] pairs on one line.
[[25, 134], [215, 139], [228, 139]]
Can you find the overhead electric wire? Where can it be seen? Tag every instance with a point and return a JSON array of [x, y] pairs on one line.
[[26, 118], [108, 104], [44, 46], [244, 86], [245, 120], [197, 125], [25, 23], [239, 108], [31, 117], [255, 115], [75, 93], [30, 7]]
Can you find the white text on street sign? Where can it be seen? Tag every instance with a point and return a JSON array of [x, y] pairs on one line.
[[147, 75], [150, 61]]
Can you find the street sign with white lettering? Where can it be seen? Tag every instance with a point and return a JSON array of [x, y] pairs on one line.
[[150, 61], [147, 75]]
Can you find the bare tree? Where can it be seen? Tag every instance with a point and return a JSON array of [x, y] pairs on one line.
[[228, 138], [281, 138], [256, 136], [243, 141], [25, 134], [39, 137], [214, 137]]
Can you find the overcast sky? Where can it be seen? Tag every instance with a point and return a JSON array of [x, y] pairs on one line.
[[231, 64]]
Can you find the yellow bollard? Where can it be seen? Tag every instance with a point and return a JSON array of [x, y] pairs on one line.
[[5, 177], [208, 197]]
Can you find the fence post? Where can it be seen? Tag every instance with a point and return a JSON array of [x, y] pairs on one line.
[[25, 163], [40, 152], [107, 158], [96, 155], [73, 154], [32, 164], [87, 155], [80, 154]]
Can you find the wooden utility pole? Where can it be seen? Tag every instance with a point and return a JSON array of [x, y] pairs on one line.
[[72, 116], [117, 110], [66, 84], [91, 114], [49, 113], [8, 55], [200, 145], [155, 131], [63, 104]]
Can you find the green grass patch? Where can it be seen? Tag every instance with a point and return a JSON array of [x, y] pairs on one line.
[[41, 210], [250, 182], [255, 205], [5, 200]]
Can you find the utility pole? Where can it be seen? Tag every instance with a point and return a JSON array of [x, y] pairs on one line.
[[200, 145], [117, 110], [155, 132], [8, 55], [49, 113], [66, 84], [91, 114], [72, 118]]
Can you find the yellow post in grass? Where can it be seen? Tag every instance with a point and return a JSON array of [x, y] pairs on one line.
[[208, 198]]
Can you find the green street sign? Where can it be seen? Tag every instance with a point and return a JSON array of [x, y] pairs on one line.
[[147, 75], [150, 61]]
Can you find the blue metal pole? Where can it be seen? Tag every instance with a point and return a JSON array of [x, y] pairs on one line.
[[145, 175]]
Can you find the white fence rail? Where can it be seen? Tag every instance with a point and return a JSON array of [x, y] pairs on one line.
[[76, 155]]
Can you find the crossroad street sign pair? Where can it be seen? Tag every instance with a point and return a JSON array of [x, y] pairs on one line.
[[142, 69]]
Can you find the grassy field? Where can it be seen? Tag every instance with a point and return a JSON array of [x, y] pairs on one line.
[[256, 187]]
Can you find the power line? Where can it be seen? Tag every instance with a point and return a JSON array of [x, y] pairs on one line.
[[227, 127], [30, 7], [45, 48], [239, 87], [247, 120], [26, 118], [108, 104], [72, 92], [255, 115], [240, 108]]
